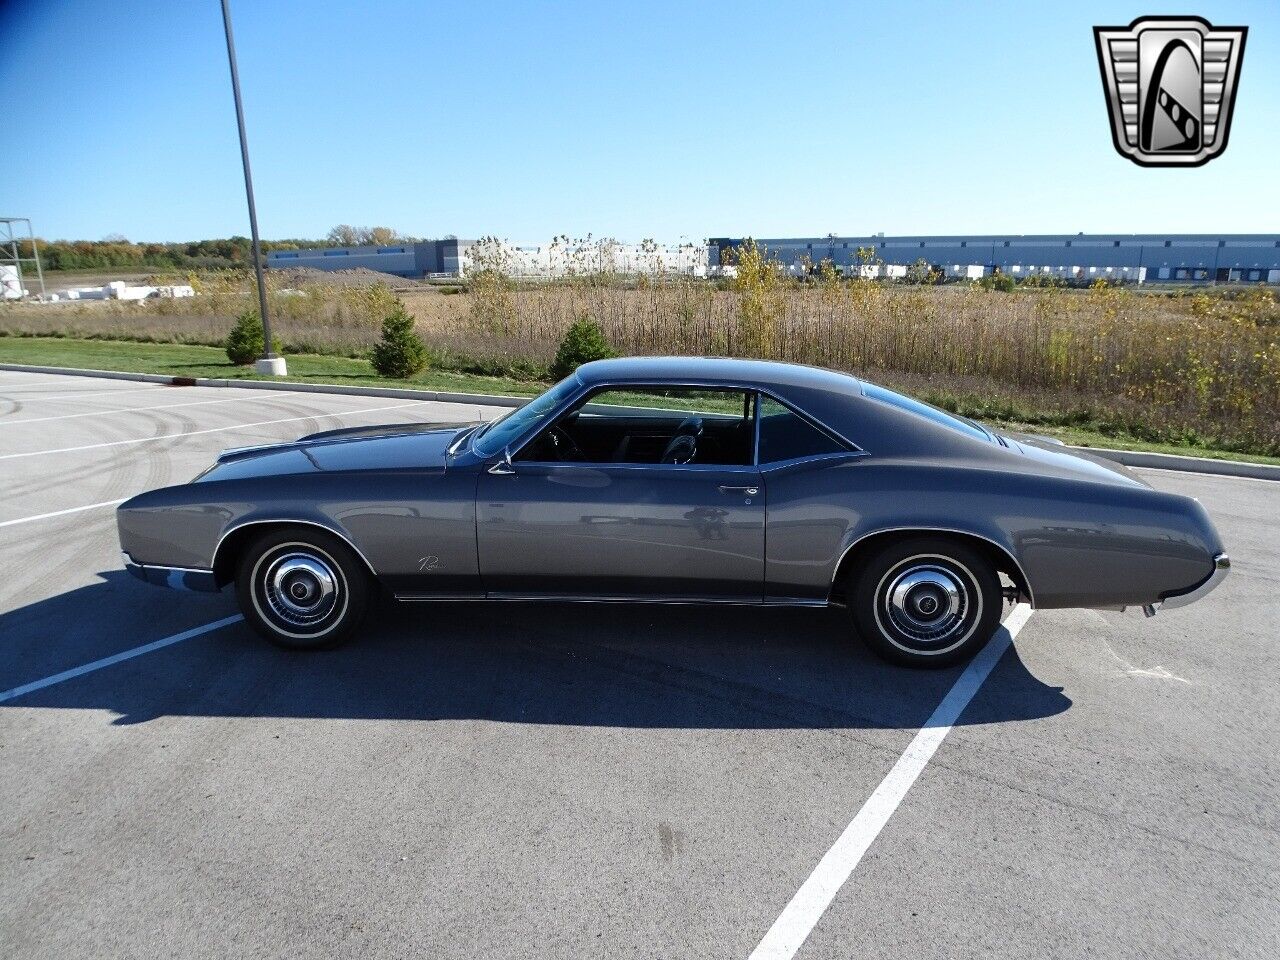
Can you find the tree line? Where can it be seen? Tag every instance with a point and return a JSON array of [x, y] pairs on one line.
[[117, 252]]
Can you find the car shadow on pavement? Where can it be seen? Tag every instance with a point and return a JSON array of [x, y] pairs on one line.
[[613, 665]]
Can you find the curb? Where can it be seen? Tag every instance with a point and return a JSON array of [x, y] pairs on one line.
[[1170, 461], [1130, 458], [76, 372], [395, 393]]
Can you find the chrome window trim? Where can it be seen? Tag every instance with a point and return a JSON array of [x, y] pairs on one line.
[[805, 415], [609, 465], [587, 390], [912, 528], [816, 458], [584, 396], [816, 424], [751, 410], [515, 447]]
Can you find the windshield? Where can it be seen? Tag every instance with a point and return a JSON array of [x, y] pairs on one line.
[[962, 424], [503, 431]]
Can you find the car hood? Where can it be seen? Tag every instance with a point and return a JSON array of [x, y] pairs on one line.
[[399, 446]]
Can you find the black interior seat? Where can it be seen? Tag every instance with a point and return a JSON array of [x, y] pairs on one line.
[[622, 452]]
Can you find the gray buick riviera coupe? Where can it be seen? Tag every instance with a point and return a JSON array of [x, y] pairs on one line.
[[684, 480]]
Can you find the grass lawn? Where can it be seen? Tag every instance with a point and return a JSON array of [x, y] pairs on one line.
[[195, 361], [184, 360]]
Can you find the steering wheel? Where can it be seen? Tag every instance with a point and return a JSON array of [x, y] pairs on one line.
[[564, 445], [683, 446]]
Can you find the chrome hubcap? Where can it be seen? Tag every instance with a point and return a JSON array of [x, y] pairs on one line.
[[301, 588], [927, 603]]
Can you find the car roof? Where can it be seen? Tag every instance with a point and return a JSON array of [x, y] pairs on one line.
[[729, 370], [837, 402], [834, 400]]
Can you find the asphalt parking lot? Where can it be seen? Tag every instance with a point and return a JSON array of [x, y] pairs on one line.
[[474, 780]]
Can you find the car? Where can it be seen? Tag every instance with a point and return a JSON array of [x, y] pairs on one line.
[[681, 480]]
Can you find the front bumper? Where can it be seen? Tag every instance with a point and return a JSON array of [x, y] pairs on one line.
[[176, 578], [1221, 566]]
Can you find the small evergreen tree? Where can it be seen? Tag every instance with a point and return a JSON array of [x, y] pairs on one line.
[[400, 353], [245, 341], [583, 342]]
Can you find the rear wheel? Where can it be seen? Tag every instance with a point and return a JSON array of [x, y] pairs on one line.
[[926, 602], [302, 588]]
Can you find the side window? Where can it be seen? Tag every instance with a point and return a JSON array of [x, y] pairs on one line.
[[786, 436], [653, 425]]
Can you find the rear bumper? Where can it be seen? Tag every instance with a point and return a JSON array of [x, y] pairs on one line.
[[176, 578], [1221, 566]]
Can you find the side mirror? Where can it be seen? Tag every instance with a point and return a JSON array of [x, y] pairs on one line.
[[502, 466]]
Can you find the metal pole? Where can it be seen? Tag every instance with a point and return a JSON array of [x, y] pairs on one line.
[[35, 252], [268, 353]]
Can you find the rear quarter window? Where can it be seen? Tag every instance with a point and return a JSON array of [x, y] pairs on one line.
[[921, 409], [785, 435]]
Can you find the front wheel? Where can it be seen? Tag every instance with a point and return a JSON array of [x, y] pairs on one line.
[[302, 589], [926, 602]]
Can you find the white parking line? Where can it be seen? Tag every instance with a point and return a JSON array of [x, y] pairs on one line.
[[150, 387], [62, 513], [117, 658], [159, 406], [194, 433], [799, 916], [8, 385]]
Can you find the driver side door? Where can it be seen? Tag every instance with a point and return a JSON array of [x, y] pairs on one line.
[[593, 511]]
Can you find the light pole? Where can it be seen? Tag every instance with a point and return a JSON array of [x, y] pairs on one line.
[[269, 363]]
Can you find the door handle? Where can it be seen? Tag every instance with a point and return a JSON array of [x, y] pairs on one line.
[[749, 491]]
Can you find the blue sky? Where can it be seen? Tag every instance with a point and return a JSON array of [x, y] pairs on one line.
[[664, 120]]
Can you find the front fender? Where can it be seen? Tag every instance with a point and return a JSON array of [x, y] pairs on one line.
[[404, 524]]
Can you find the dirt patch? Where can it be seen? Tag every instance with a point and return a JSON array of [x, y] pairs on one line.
[[359, 277]]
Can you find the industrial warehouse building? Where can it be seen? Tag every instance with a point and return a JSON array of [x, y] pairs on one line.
[[426, 258], [453, 258], [1139, 257]]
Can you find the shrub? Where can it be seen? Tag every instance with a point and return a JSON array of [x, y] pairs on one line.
[[400, 353], [583, 342], [998, 281], [760, 303], [245, 341], [921, 271]]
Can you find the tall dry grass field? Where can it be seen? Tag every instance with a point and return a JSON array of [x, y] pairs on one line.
[[1193, 366]]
